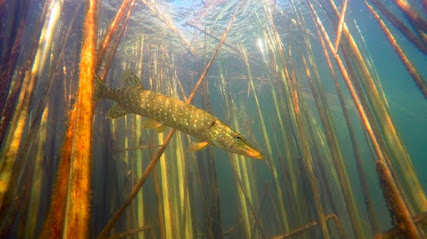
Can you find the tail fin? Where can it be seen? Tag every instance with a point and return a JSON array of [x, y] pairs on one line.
[[99, 88]]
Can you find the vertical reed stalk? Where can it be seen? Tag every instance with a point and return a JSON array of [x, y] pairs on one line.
[[392, 139], [306, 155], [336, 153], [362, 175], [418, 79], [33, 211], [267, 143], [54, 223], [78, 200], [388, 182]]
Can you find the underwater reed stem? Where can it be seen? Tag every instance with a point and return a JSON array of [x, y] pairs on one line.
[[250, 204], [307, 160], [397, 230], [417, 42], [394, 142], [309, 226], [130, 232], [54, 223], [103, 46], [388, 184], [394, 201], [340, 25], [168, 138], [77, 215], [417, 20], [418, 79], [362, 175]]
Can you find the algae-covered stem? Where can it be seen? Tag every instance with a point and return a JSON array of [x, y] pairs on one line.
[[397, 149], [418, 79], [156, 158], [362, 175], [386, 178], [77, 215]]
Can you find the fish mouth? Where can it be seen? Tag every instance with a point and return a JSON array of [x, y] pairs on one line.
[[253, 153]]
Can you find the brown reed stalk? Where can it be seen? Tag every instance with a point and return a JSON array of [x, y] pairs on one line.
[[77, 215], [10, 49], [397, 230], [35, 64], [418, 79], [6, 75], [336, 152], [395, 203], [417, 20], [362, 175], [212, 36], [417, 42], [212, 192], [394, 142], [305, 149], [168, 138], [54, 223], [340, 25], [159, 205], [130, 232], [388, 185], [103, 45], [311, 225], [257, 223]]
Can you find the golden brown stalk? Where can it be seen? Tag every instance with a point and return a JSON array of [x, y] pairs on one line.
[[267, 143], [397, 230], [307, 158], [54, 223], [362, 175], [401, 26], [384, 173], [394, 142], [340, 25], [418, 20], [103, 46], [395, 203], [311, 225], [77, 216], [419, 81], [130, 232]]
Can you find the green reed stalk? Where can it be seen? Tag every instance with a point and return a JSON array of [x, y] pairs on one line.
[[401, 210], [267, 143], [33, 211], [356, 151]]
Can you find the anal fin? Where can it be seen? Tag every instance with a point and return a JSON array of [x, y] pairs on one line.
[[116, 111]]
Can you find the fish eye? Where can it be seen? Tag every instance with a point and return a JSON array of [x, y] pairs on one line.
[[237, 138]]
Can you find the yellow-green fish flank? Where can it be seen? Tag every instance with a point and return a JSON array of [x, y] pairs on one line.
[[163, 110]]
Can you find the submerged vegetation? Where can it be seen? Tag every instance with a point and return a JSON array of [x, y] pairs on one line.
[[298, 78]]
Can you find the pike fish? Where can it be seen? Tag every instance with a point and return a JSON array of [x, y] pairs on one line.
[[164, 111]]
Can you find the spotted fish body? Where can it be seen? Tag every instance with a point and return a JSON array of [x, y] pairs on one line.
[[168, 111]]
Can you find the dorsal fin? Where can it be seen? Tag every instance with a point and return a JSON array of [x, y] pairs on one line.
[[130, 79]]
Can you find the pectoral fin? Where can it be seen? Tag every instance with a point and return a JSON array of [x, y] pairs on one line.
[[161, 128], [152, 124], [198, 146], [116, 111]]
